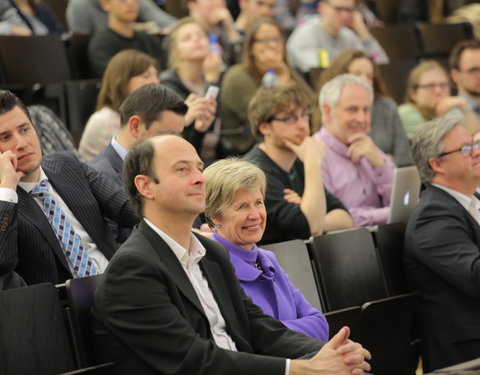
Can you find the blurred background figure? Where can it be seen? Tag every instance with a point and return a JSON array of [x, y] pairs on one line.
[[429, 96]]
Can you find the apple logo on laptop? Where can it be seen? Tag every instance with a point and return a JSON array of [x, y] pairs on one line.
[[406, 198]]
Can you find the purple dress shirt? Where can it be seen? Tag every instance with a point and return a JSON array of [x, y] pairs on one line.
[[363, 189], [273, 292]]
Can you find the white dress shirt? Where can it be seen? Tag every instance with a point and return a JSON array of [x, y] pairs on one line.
[[470, 203]]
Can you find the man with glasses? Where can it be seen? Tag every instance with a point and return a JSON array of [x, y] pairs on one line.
[[321, 39], [442, 243], [298, 206], [465, 72], [354, 168]]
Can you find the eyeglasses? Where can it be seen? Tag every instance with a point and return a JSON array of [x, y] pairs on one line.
[[292, 118], [341, 9], [278, 39], [475, 71], [466, 150], [433, 86]]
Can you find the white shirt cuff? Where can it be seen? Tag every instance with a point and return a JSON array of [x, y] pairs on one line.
[[8, 195], [287, 367]]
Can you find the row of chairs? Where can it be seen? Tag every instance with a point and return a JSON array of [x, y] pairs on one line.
[[356, 278]]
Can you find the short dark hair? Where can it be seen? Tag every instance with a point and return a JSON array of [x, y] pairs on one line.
[[149, 101], [8, 101], [139, 161], [457, 51]]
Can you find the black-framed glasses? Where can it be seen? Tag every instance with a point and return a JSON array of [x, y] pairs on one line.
[[474, 71], [466, 150], [433, 86], [292, 118]]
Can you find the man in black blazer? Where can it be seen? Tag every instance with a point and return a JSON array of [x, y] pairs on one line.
[[28, 243], [169, 301], [442, 243], [148, 111]]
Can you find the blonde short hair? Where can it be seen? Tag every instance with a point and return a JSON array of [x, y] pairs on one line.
[[224, 178]]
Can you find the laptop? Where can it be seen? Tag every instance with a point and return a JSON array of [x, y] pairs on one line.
[[405, 194]]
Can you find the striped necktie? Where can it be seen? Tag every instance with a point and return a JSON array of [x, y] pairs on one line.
[[71, 242]]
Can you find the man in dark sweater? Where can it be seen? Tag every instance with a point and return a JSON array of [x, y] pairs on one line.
[[120, 35], [298, 206]]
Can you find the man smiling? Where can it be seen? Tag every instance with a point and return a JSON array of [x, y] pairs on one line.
[[354, 169]]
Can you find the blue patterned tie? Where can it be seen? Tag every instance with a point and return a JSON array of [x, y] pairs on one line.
[[71, 241]]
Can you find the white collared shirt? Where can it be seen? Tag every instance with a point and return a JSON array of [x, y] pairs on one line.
[[189, 261], [94, 253], [121, 151], [471, 204]]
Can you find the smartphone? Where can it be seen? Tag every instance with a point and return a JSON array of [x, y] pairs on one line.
[[212, 92]]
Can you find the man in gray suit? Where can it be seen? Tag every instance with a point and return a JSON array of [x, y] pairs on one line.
[[150, 110], [51, 210], [169, 301]]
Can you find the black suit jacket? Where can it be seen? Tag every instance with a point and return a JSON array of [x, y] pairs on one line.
[[29, 245], [109, 163], [442, 260], [149, 320]]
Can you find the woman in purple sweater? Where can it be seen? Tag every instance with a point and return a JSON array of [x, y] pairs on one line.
[[235, 192]]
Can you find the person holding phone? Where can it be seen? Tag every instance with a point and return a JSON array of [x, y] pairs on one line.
[[194, 66]]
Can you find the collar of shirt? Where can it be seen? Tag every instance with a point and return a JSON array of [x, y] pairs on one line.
[[121, 151], [467, 202], [186, 258], [244, 260], [334, 144], [29, 186]]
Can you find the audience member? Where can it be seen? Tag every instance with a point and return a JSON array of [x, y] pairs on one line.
[[339, 27], [120, 35], [27, 17], [263, 48], [193, 69], [354, 169], [386, 127], [216, 19], [148, 111], [465, 72], [52, 209], [251, 10], [235, 209], [52, 132], [442, 243], [428, 96], [88, 17], [288, 18], [191, 317], [125, 72], [298, 206]]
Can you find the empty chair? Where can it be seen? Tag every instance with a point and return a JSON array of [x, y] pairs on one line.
[[389, 243], [395, 75], [348, 268], [33, 336], [294, 259], [34, 59], [400, 42], [386, 329], [80, 294], [439, 39], [343, 317]]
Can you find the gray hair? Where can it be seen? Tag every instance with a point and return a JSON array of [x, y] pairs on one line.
[[331, 91], [427, 143]]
